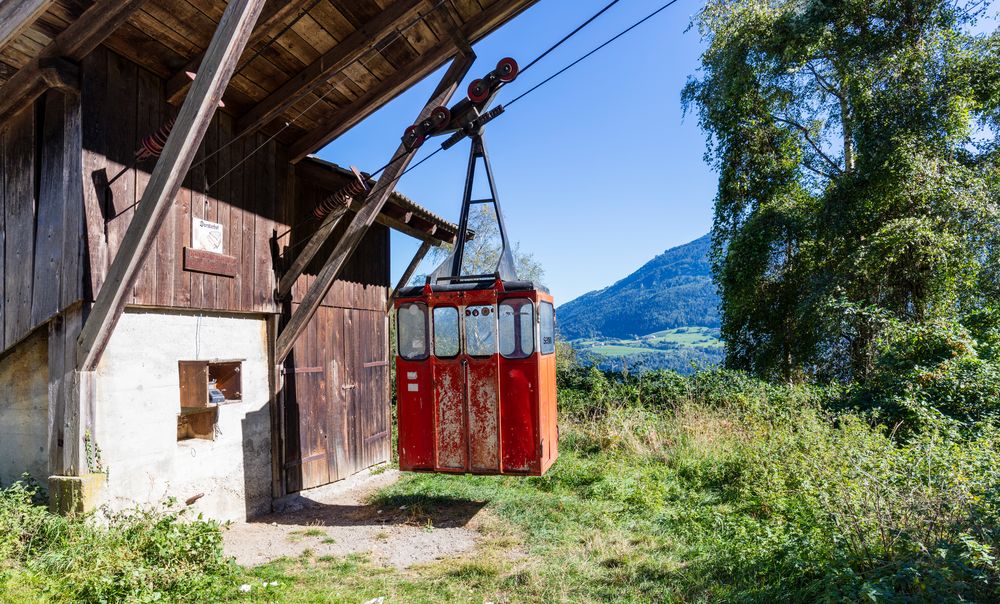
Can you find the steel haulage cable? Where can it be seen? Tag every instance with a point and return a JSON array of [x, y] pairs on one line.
[[593, 51], [545, 81]]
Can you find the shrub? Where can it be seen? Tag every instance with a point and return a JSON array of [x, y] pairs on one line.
[[140, 555], [786, 494]]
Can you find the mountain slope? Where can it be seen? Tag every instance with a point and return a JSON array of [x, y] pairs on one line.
[[674, 289]]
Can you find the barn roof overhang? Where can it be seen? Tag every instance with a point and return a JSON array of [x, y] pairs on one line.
[[400, 213], [311, 71]]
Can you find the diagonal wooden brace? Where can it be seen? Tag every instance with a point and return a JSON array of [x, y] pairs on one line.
[[227, 44], [408, 273], [319, 237], [363, 220]]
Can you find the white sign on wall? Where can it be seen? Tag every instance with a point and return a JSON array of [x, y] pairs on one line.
[[206, 235]]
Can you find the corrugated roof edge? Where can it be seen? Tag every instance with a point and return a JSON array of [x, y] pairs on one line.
[[396, 197]]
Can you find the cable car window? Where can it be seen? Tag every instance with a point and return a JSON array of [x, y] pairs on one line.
[[446, 339], [517, 328], [547, 328], [411, 330], [480, 331]]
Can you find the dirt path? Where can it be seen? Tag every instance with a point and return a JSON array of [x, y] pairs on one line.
[[336, 520]]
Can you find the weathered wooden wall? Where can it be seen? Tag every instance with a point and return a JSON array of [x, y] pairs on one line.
[[123, 103], [364, 283], [336, 403], [243, 184], [41, 220]]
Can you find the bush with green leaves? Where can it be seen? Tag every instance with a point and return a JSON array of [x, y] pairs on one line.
[[139, 555], [786, 492]]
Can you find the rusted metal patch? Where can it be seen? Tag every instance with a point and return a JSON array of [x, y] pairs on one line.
[[449, 388], [484, 420]]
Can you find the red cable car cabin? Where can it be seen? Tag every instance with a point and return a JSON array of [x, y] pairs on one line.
[[476, 379], [476, 363]]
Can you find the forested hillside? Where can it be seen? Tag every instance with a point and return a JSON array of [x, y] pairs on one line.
[[673, 290]]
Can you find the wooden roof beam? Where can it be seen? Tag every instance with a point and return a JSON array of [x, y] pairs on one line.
[[17, 16], [371, 101], [423, 233], [393, 215], [275, 14], [363, 220], [349, 50], [74, 43], [348, 117], [189, 130]]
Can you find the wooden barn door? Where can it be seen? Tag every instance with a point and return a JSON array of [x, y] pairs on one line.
[[310, 456], [337, 398], [367, 374]]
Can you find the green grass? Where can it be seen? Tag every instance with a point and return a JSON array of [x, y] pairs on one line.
[[688, 337], [699, 337], [618, 350], [711, 488]]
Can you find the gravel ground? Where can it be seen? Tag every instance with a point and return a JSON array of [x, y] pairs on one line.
[[336, 520]]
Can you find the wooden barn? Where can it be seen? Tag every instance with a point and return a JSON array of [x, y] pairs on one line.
[[191, 304]]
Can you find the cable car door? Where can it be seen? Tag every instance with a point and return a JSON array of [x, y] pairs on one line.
[[466, 388]]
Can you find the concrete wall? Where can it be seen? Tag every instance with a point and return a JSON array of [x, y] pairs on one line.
[[138, 402], [24, 407]]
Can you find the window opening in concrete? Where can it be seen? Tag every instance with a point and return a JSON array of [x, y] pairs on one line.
[[204, 385]]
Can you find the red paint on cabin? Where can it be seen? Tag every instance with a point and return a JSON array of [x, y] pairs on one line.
[[476, 387]]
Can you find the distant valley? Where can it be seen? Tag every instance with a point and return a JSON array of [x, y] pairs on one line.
[[664, 315]]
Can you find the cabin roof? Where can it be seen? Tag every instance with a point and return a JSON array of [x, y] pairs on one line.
[[312, 68], [400, 213]]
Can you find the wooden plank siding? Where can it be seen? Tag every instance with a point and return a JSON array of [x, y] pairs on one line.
[[243, 185], [129, 106], [41, 215]]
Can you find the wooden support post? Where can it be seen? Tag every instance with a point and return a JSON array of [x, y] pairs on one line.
[[220, 60], [408, 273], [307, 253], [60, 74], [366, 215]]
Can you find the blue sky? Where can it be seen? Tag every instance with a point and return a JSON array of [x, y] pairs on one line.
[[597, 171]]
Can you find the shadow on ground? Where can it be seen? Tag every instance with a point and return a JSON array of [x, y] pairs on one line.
[[442, 512]]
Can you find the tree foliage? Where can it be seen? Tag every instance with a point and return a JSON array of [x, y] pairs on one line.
[[857, 149], [482, 252]]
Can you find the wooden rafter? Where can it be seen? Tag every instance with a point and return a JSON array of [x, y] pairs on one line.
[[363, 220], [75, 42], [408, 273], [392, 215], [17, 16], [369, 102], [196, 113], [274, 15], [349, 50], [416, 70]]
